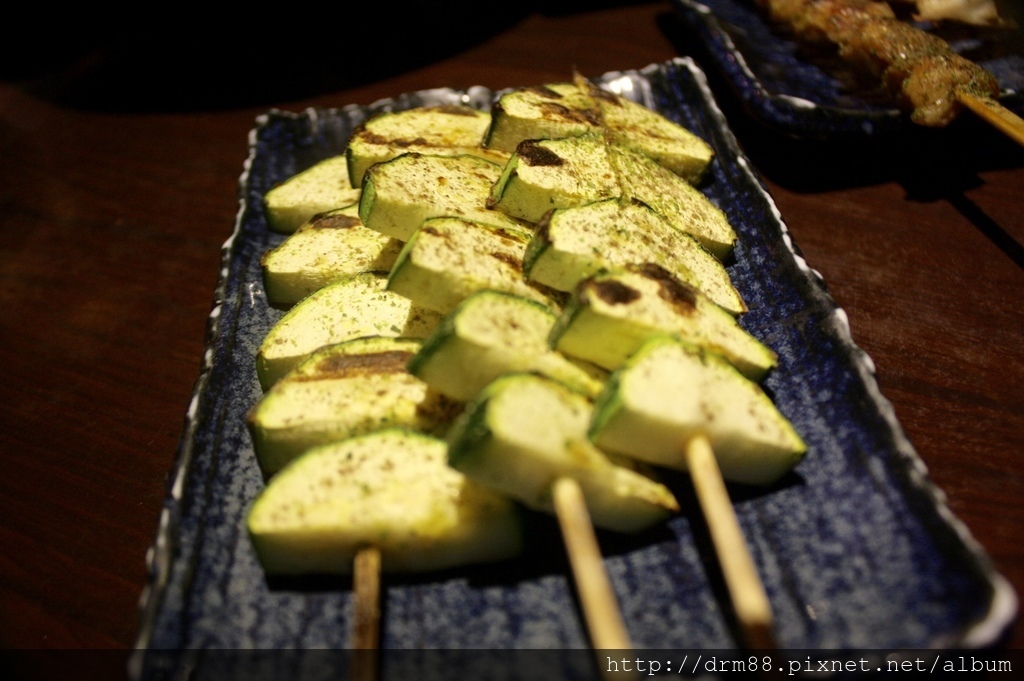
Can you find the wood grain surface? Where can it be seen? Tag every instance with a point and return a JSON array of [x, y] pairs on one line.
[[118, 185]]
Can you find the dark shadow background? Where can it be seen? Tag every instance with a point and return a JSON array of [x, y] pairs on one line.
[[166, 58]]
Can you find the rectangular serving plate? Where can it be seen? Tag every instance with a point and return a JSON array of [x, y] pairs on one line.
[[856, 547]]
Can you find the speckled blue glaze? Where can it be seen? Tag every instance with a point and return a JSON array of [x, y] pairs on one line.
[[782, 90], [856, 548]]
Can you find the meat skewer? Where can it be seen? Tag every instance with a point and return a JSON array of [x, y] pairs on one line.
[[919, 70]]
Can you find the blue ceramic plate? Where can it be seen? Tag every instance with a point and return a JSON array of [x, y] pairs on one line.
[[856, 548], [778, 86]]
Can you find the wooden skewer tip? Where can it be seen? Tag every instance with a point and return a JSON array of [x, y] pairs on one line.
[[366, 579], [750, 602], [995, 114], [600, 606]]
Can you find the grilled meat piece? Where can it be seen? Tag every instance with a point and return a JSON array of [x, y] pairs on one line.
[[919, 70]]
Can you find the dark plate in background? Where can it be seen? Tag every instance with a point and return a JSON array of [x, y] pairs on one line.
[[856, 548], [782, 88]]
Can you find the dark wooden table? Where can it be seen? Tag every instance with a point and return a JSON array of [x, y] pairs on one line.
[[118, 185]]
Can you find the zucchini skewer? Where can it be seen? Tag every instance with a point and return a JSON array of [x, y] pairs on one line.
[[652, 408], [611, 320], [449, 257], [385, 500], [351, 389], [560, 468], [525, 436], [718, 423], [523, 433]]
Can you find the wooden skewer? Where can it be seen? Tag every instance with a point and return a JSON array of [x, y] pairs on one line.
[[750, 602], [600, 607], [996, 114], [366, 630]]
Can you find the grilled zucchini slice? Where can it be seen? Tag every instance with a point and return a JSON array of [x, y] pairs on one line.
[[635, 126], [491, 333], [546, 174], [571, 244], [670, 391], [570, 109], [524, 432], [391, 489], [549, 174], [613, 313], [347, 309], [323, 187], [544, 112], [330, 247], [343, 390], [447, 259], [400, 194], [436, 130]]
